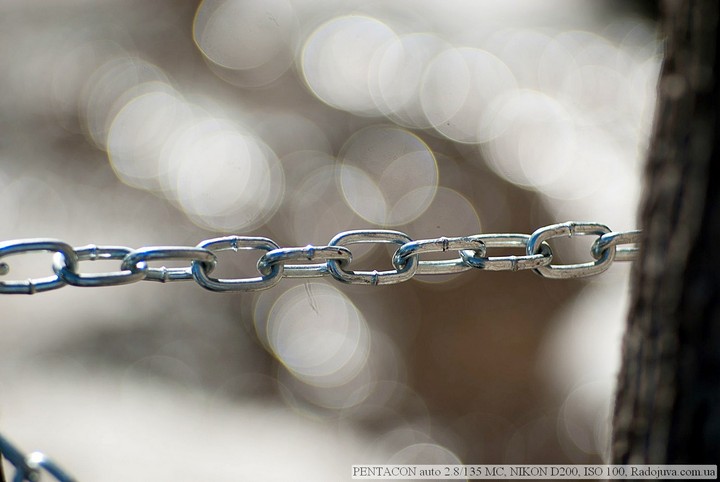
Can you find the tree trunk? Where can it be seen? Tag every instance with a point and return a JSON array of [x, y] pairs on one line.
[[668, 402]]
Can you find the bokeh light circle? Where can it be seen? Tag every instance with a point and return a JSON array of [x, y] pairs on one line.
[[388, 175], [318, 334], [425, 453], [533, 138], [222, 176], [318, 210], [337, 57], [396, 75], [103, 93], [139, 131], [585, 416], [243, 34], [457, 88]]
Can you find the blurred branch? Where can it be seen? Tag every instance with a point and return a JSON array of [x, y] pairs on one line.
[[668, 402]]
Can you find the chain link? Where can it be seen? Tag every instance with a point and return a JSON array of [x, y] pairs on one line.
[[94, 253], [30, 467], [374, 277], [457, 265], [507, 263], [269, 279], [613, 239], [570, 229], [332, 260], [274, 264], [137, 260], [36, 285], [279, 257]]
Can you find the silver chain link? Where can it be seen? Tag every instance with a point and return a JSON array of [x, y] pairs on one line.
[[333, 260], [31, 467], [275, 263]]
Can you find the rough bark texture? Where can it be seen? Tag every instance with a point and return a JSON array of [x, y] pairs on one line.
[[668, 401]]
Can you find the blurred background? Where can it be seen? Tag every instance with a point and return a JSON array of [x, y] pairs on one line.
[[166, 123]]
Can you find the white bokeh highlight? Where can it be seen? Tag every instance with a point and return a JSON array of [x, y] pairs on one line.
[[336, 60], [318, 334], [458, 87], [248, 43], [388, 175]]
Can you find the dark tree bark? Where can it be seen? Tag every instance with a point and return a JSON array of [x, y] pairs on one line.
[[668, 402]]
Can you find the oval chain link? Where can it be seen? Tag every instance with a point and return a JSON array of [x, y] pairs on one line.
[[275, 263], [615, 239], [569, 229], [438, 245], [36, 285], [94, 253], [280, 256], [201, 270], [507, 263], [374, 277], [136, 259]]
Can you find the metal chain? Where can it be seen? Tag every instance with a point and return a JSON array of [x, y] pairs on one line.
[[275, 263], [333, 260], [30, 467]]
